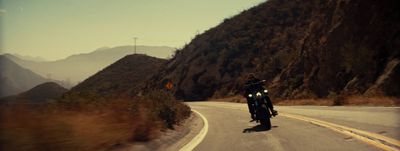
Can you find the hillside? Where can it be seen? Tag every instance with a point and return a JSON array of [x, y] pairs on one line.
[[15, 79], [77, 68], [122, 77], [40, 93], [48, 90], [304, 49]]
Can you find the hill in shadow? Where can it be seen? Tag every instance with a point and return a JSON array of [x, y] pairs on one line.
[[304, 49], [46, 92], [124, 77]]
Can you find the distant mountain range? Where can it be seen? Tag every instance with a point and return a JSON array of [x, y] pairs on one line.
[[77, 68], [29, 58], [15, 79]]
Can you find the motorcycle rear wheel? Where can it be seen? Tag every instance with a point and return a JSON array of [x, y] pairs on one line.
[[266, 123]]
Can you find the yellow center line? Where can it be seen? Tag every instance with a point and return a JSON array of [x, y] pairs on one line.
[[374, 139]]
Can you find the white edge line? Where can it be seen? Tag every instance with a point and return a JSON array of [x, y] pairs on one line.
[[199, 137]]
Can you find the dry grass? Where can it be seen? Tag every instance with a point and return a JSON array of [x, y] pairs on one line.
[[87, 127], [334, 101], [321, 102], [372, 101], [27, 129], [344, 101], [241, 99]]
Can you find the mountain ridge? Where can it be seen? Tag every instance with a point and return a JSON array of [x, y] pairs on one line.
[[303, 49], [78, 67], [122, 78], [48, 91], [16, 79]]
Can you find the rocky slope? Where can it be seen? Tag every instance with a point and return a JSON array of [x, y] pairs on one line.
[[302, 48], [123, 77]]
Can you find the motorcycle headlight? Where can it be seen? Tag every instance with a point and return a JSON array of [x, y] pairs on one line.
[[250, 95], [258, 94], [265, 91]]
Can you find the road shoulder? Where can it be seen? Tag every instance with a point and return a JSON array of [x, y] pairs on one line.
[[170, 140]]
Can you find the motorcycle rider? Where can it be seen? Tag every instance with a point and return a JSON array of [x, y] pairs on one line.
[[250, 87]]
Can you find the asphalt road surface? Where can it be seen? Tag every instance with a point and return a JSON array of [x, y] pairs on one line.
[[299, 128]]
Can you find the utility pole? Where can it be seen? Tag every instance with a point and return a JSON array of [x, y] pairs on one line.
[[135, 38]]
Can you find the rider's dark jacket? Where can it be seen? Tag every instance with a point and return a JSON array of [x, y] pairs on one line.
[[249, 88]]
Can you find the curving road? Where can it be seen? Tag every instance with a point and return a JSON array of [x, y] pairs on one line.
[[229, 128]]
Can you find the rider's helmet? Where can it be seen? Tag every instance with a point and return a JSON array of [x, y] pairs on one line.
[[251, 76]]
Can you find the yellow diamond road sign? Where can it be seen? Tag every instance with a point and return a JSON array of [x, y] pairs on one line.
[[169, 85]]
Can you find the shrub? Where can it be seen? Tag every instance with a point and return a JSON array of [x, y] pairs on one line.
[[337, 99], [165, 107]]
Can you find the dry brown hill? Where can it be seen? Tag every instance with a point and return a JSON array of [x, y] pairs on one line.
[[49, 91], [122, 77], [302, 48]]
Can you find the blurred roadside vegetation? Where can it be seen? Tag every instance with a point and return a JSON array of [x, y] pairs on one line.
[[89, 125]]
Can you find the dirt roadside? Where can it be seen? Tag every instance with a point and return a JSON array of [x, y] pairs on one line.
[[170, 140]]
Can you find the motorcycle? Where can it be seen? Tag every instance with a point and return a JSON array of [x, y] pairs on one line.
[[259, 96]]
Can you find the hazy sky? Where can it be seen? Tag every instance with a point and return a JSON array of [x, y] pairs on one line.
[[54, 29]]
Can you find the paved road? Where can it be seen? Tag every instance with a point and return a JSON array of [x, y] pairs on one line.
[[230, 129]]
